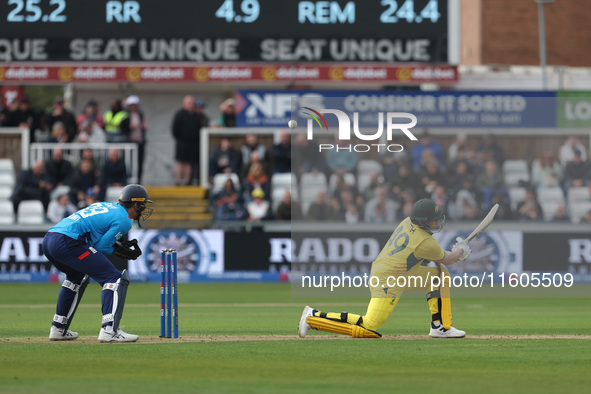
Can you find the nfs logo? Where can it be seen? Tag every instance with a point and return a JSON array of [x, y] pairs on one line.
[[393, 122]]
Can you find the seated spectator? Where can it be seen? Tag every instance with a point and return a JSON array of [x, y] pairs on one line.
[[288, 209], [32, 184], [492, 149], [60, 208], [392, 161], [567, 150], [91, 116], [256, 179], [114, 170], [250, 145], [577, 171], [456, 179], [489, 182], [58, 133], [439, 195], [258, 208], [254, 158], [228, 113], [504, 212], [529, 209], [231, 209], [86, 178], [88, 154], [320, 209], [281, 154], [431, 176], [307, 157], [375, 180], [466, 196], [62, 115], [459, 145], [225, 159], [10, 116], [221, 197], [587, 217], [90, 197], [352, 214], [91, 133], [560, 214], [59, 170], [403, 180], [546, 172], [342, 160], [426, 142], [380, 209], [25, 117], [343, 199]]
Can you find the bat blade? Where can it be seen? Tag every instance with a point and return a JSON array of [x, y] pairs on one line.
[[484, 224]]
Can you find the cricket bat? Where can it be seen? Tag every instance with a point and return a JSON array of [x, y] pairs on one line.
[[484, 224]]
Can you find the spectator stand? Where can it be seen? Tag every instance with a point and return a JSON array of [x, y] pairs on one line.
[[72, 152]]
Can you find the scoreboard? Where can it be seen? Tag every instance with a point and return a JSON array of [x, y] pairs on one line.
[[224, 30]]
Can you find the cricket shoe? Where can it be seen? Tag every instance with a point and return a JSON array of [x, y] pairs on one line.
[[438, 331], [304, 327], [57, 334], [119, 336]]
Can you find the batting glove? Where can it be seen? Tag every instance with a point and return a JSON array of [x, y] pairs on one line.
[[463, 245]]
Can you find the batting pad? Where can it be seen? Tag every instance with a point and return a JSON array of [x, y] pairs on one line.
[[341, 328], [445, 308]]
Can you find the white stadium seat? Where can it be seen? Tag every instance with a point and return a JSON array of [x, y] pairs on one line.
[[6, 212], [30, 212], [112, 194]]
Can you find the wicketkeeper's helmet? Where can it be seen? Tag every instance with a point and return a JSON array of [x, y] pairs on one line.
[[425, 212], [137, 196]]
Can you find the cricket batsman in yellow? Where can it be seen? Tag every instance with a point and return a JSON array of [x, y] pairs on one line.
[[411, 260]]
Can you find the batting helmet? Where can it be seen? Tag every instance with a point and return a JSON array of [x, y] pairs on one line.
[[427, 215], [137, 196]]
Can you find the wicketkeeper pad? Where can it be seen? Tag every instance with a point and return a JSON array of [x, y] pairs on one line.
[[355, 331]]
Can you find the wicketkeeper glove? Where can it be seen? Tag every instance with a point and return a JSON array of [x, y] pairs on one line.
[[128, 249], [461, 244]]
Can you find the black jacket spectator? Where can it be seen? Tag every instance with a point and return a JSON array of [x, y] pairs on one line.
[[114, 170], [281, 154], [32, 184], [225, 159], [61, 114], [59, 170]]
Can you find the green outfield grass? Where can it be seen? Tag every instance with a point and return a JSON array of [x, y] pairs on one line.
[[221, 350]]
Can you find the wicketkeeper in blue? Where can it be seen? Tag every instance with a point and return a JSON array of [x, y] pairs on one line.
[[78, 245]]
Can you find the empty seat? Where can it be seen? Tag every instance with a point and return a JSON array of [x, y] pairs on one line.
[[313, 180], [549, 209], [513, 166], [551, 194], [219, 180], [30, 212], [576, 212], [515, 171], [577, 194], [7, 179], [5, 192], [6, 212], [6, 166], [113, 192]]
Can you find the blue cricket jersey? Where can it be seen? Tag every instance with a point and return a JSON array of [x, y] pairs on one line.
[[100, 225]]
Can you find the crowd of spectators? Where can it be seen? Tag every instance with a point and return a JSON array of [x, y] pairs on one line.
[[466, 179]]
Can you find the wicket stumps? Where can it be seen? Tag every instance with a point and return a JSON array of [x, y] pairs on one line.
[[169, 302]]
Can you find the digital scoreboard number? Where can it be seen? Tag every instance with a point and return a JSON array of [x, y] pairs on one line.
[[224, 30]]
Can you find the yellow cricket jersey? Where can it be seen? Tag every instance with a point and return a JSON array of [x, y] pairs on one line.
[[408, 246]]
